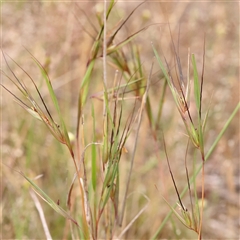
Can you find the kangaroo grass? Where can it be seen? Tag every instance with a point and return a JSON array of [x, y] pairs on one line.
[[113, 138], [97, 196], [99, 203], [59, 131], [110, 48], [181, 100], [192, 179], [181, 92], [195, 133]]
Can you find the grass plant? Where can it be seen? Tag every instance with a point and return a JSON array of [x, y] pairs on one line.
[[104, 170]]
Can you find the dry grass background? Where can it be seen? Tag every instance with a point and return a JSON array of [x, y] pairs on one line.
[[52, 32]]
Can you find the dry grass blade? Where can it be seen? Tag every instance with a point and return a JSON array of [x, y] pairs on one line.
[[88, 19], [41, 214], [135, 218], [144, 99]]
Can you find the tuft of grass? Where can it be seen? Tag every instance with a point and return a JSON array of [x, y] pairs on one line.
[[99, 95]]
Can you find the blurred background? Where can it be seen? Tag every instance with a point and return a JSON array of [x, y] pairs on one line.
[[59, 34]]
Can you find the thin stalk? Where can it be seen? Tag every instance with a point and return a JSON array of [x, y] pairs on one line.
[[105, 48], [201, 86], [81, 191], [202, 146], [88, 18], [201, 213], [135, 218], [41, 214], [144, 99], [174, 183], [189, 187]]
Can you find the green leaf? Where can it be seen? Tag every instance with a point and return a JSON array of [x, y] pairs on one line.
[[48, 200], [167, 77], [112, 174], [94, 154], [149, 112], [165, 73], [197, 91]]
